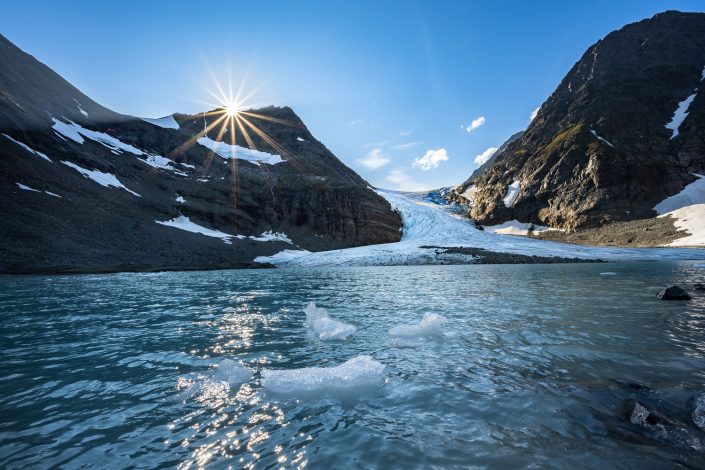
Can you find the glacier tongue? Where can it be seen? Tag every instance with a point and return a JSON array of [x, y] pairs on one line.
[[432, 225]]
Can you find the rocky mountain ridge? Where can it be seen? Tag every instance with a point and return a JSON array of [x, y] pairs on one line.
[[86, 189], [624, 130]]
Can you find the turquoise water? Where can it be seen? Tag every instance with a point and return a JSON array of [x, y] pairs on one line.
[[531, 368]]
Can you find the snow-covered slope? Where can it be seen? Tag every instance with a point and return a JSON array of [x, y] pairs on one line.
[[427, 224]]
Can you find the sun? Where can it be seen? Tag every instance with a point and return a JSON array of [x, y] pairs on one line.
[[232, 109]]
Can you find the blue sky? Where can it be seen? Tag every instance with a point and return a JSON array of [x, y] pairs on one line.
[[390, 87]]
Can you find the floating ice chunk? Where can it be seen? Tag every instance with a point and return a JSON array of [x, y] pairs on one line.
[[103, 179], [29, 149], [183, 223], [326, 328], [430, 325], [167, 122], [512, 193], [346, 380], [680, 115], [608, 273], [76, 133], [232, 372], [241, 153]]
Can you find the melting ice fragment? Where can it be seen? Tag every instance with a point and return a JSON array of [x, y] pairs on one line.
[[430, 325], [346, 379], [232, 372], [321, 323]]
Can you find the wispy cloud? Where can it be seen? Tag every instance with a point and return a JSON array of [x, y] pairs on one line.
[[533, 114], [484, 156], [404, 133], [381, 143], [402, 181], [431, 159], [374, 159], [476, 123], [356, 122], [407, 145]]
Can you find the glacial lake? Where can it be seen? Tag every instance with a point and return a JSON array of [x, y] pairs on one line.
[[530, 368]]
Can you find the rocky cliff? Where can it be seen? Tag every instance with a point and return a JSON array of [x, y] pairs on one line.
[[624, 130], [86, 189]]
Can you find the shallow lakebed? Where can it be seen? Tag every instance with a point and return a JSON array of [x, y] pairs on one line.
[[531, 367]]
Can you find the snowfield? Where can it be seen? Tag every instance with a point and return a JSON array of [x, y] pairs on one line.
[[428, 224], [241, 153]]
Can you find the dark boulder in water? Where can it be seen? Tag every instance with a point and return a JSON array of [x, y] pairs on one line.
[[673, 293], [699, 286], [699, 411]]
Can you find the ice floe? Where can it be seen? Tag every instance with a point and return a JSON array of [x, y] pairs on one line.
[[428, 225], [166, 122], [430, 325], [680, 115], [345, 380], [241, 153], [512, 193], [77, 133], [29, 149], [608, 273], [184, 223], [323, 326], [103, 179]]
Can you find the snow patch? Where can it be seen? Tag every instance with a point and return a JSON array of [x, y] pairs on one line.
[[166, 122], [514, 227], [80, 109], [694, 193], [680, 115], [180, 200], [282, 257], [27, 188], [184, 223], [241, 153], [692, 220], [268, 236], [156, 161], [103, 179], [348, 379], [601, 139], [430, 325], [512, 193], [76, 133], [29, 149], [301, 140], [321, 323], [469, 193]]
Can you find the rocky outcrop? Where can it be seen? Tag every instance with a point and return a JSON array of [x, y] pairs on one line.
[[599, 149], [673, 293], [84, 188]]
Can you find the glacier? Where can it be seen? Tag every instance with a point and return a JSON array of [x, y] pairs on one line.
[[427, 225]]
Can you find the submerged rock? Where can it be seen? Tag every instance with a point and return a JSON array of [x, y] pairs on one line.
[[699, 411], [673, 293], [636, 413], [698, 286]]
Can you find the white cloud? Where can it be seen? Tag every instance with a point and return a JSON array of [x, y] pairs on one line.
[[533, 114], [374, 159], [403, 182], [406, 145], [476, 123], [484, 156], [404, 133], [356, 122], [431, 159]]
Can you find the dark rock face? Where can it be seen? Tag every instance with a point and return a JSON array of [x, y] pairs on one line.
[[636, 413], [673, 293], [599, 151], [68, 222]]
